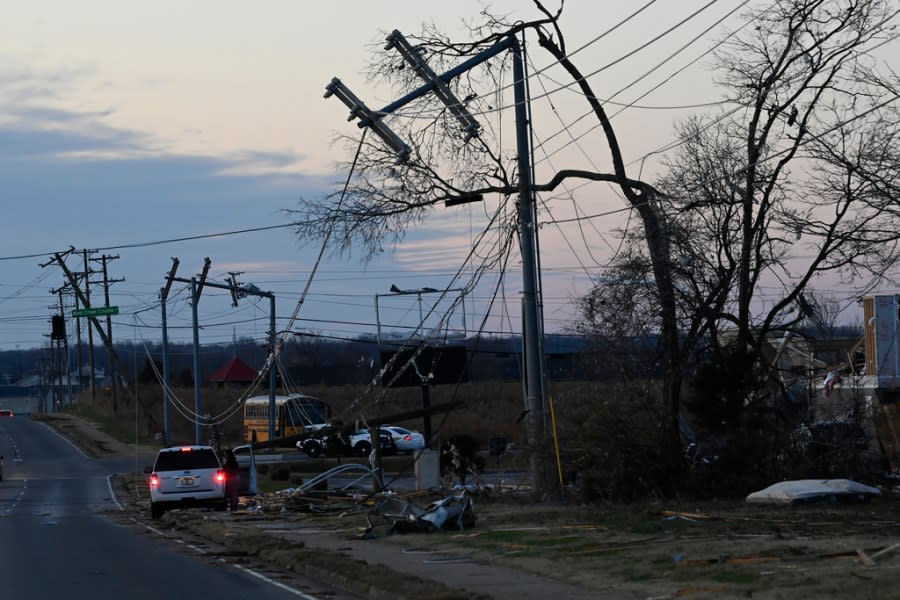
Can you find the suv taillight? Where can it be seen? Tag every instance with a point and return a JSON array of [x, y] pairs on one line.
[[220, 476], [154, 480]]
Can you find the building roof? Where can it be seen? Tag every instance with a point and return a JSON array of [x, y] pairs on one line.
[[234, 371]]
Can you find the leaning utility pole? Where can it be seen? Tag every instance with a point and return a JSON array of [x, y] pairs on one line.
[[532, 327], [196, 290], [163, 296]]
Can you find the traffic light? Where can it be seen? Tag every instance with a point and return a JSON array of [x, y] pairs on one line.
[[58, 327]]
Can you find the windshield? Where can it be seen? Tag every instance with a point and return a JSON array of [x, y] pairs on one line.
[[306, 412]]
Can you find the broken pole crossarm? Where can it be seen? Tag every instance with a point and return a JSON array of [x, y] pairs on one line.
[[454, 72], [367, 118], [414, 57]]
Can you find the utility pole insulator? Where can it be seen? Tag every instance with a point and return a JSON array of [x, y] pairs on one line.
[[367, 118], [414, 57]]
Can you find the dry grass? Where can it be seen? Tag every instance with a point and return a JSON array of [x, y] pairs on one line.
[[490, 409]]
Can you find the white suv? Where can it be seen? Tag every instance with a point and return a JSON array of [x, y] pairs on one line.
[[186, 476]]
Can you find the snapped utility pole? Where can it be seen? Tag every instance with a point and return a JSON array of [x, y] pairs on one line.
[[532, 326]]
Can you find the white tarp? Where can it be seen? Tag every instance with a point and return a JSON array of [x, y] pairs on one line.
[[811, 490]]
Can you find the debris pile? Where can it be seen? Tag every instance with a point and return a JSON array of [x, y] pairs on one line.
[[404, 516]]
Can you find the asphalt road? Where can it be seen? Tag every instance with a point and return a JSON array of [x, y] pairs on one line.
[[62, 536]]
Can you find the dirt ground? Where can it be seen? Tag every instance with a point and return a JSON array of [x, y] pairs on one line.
[[724, 549]]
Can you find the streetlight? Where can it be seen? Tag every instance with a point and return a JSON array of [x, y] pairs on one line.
[[425, 377]]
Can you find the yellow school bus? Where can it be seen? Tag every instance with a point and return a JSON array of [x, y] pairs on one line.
[[295, 413]]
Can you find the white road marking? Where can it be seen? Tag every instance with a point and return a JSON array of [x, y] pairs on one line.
[[271, 581], [112, 492], [67, 440], [112, 495], [251, 572]]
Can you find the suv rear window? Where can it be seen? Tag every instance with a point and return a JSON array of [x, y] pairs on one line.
[[186, 460]]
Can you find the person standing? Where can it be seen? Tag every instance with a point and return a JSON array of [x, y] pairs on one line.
[[232, 479]]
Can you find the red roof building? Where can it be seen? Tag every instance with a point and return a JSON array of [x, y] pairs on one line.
[[235, 371]]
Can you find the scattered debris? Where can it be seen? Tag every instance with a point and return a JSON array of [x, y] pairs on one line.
[[814, 490], [688, 516], [449, 513], [885, 551], [864, 558], [724, 559], [869, 559]]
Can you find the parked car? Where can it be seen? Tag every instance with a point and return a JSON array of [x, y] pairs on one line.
[[186, 476], [361, 442], [315, 446], [6, 413], [334, 444], [405, 439]]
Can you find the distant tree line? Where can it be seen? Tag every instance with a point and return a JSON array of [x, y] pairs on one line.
[[316, 360]]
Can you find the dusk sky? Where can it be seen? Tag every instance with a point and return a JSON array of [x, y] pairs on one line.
[[124, 126]]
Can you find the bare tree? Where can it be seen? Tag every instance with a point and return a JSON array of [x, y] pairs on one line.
[[798, 182]]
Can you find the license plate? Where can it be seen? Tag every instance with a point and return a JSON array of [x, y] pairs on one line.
[[187, 481]]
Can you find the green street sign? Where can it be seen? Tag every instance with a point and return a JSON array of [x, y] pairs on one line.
[[100, 311]]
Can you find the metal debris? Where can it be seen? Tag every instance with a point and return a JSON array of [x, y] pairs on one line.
[[449, 513]]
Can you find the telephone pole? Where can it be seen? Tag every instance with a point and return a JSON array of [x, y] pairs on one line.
[[237, 291], [60, 336], [113, 365], [88, 311], [163, 296], [87, 302]]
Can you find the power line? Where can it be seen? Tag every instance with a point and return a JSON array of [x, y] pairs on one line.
[[566, 86], [161, 242], [660, 84]]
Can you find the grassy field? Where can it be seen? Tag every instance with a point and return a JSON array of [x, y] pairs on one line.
[[489, 410]]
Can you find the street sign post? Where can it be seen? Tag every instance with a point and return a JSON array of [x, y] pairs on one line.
[[99, 311]]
